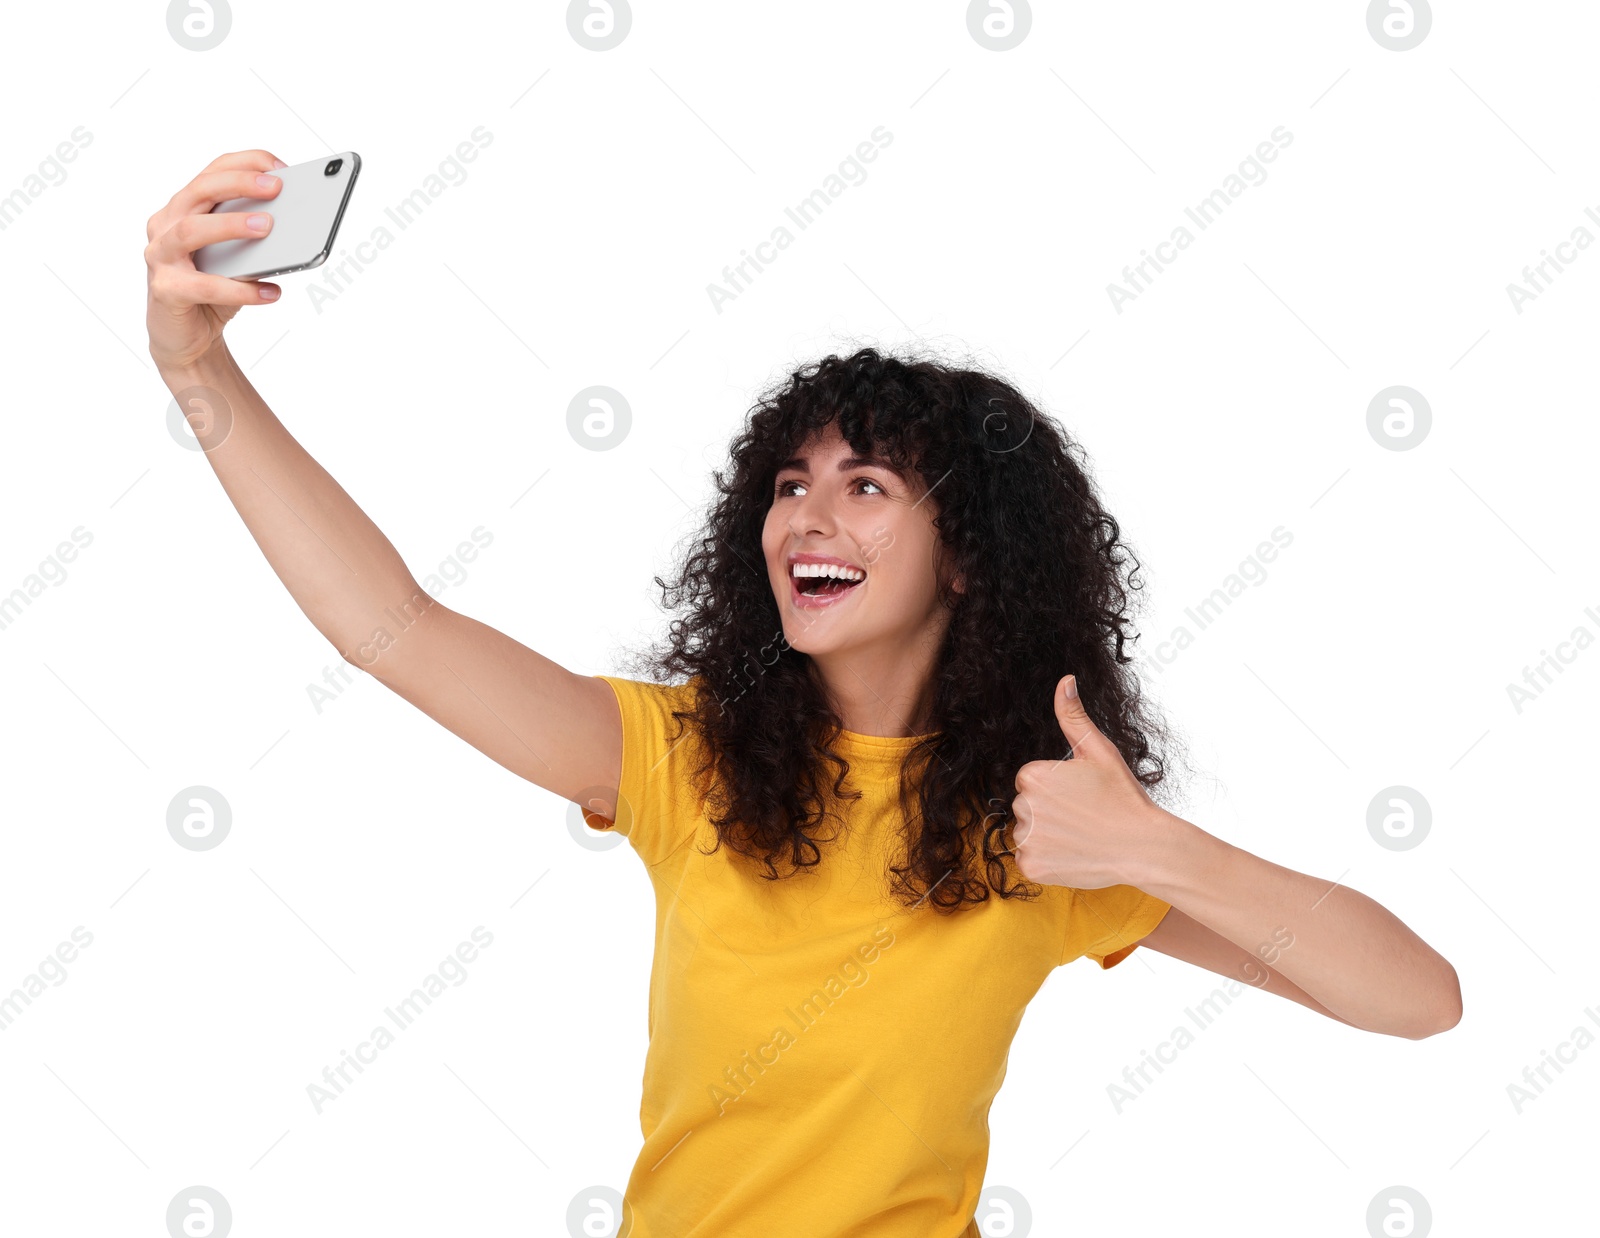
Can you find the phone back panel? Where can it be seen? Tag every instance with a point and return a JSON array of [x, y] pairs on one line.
[[305, 219]]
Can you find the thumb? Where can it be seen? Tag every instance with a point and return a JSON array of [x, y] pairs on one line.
[[1081, 732]]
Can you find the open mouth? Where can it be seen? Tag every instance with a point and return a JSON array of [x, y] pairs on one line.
[[825, 580]]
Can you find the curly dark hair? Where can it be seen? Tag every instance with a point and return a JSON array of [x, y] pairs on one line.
[[1048, 584]]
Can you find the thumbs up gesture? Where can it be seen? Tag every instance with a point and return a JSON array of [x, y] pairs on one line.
[[1087, 822]]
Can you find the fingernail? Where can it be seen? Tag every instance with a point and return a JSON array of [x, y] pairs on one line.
[[268, 293], [279, 163], [265, 181], [258, 222], [1072, 687]]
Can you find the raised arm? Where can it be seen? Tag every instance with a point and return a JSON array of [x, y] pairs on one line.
[[555, 728]]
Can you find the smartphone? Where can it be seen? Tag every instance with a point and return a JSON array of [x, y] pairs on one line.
[[305, 221]]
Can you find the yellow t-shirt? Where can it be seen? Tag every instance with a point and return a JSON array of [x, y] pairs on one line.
[[822, 1059]]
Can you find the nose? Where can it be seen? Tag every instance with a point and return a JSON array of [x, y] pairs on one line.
[[812, 514]]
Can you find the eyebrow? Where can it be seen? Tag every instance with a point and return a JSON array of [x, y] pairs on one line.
[[849, 462]]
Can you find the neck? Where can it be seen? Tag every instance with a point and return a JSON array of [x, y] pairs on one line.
[[889, 694]]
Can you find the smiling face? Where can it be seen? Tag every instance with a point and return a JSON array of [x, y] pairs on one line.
[[837, 519]]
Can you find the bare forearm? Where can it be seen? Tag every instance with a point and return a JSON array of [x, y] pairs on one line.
[[336, 563], [1351, 954]]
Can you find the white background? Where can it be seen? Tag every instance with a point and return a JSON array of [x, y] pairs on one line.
[[1226, 400]]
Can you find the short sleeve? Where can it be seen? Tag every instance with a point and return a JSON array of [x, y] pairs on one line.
[[657, 808], [1105, 925]]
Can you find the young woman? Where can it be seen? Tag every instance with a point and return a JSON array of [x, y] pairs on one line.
[[867, 842]]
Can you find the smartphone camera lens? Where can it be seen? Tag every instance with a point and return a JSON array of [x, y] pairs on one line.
[[333, 167]]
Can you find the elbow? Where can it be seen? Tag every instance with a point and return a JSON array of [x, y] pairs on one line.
[[1445, 1010], [363, 655]]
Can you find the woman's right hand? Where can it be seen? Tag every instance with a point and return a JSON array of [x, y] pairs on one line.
[[188, 309]]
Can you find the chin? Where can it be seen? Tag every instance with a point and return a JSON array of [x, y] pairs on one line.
[[801, 638], [810, 639]]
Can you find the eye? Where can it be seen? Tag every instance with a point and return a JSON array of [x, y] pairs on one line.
[[783, 491]]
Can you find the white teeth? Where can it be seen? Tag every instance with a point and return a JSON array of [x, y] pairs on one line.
[[829, 569]]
